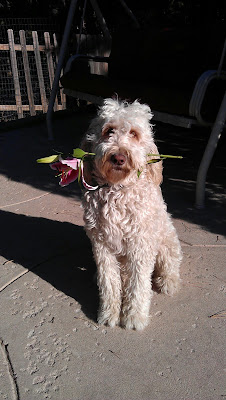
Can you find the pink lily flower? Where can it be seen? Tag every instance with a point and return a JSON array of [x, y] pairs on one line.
[[69, 169], [68, 174]]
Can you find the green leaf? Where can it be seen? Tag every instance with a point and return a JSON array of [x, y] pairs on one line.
[[138, 173], [48, 160], [79, 153], [154, 160]]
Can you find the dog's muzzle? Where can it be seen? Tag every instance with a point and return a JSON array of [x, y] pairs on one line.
[[118, 159]]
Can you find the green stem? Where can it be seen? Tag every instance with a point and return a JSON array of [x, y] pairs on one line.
[[79, 172], [164, 156]]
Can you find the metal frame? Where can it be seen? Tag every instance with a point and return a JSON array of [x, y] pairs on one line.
[[208, 154], [200, 91]]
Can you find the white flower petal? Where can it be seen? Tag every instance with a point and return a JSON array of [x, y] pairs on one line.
[[72, 163]]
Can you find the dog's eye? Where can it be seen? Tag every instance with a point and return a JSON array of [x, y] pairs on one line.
[[133, 134], [108, 131]]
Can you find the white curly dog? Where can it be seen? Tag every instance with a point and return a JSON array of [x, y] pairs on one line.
[[133, 239]]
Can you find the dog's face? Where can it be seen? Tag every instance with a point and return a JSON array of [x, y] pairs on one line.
[[121, 137], [118, 151]]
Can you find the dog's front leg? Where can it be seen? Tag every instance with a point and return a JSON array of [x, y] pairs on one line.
[[109, 283], [137, 292]]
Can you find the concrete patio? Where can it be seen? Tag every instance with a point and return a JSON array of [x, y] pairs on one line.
[[50, 337]]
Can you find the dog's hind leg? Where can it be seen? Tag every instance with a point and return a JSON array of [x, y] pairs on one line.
[[166, 275], [109, 283]]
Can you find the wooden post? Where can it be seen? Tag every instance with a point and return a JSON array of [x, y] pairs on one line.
[[15, 73], [62, 95], [39, 71], [27, 73], [50, 64]]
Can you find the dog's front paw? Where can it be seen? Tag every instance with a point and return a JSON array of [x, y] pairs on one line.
[[135, 321], [107, 318], [168, 284]]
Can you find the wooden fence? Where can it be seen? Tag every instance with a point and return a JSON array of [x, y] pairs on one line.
[[50, 51]]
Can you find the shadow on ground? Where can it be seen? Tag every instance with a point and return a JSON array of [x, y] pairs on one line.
[[20, 148], [180, 176], [66, 262]]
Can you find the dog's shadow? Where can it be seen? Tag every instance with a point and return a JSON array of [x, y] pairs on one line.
[[58, 252]]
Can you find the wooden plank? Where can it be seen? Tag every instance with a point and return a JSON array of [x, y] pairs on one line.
[[62, 95], [25, 107], [8, 107], [50, 64], [29, 47], [27, 72], [39, 71], [15, 73]]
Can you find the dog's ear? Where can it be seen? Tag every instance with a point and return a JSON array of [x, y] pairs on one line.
[[154, 170], [88, 172], [91, 136], [86, 143]]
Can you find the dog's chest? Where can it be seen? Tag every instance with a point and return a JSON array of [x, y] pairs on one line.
[[115, 216]]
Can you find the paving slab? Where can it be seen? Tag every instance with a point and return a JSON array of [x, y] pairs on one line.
[[49, 298]]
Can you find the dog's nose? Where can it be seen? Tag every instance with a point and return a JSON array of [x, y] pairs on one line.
[[118, 159]]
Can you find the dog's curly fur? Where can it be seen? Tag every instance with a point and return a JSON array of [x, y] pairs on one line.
[[133, 238]]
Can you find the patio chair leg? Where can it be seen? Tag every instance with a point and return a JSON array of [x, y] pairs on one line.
[[208, 154], [55, 86]]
